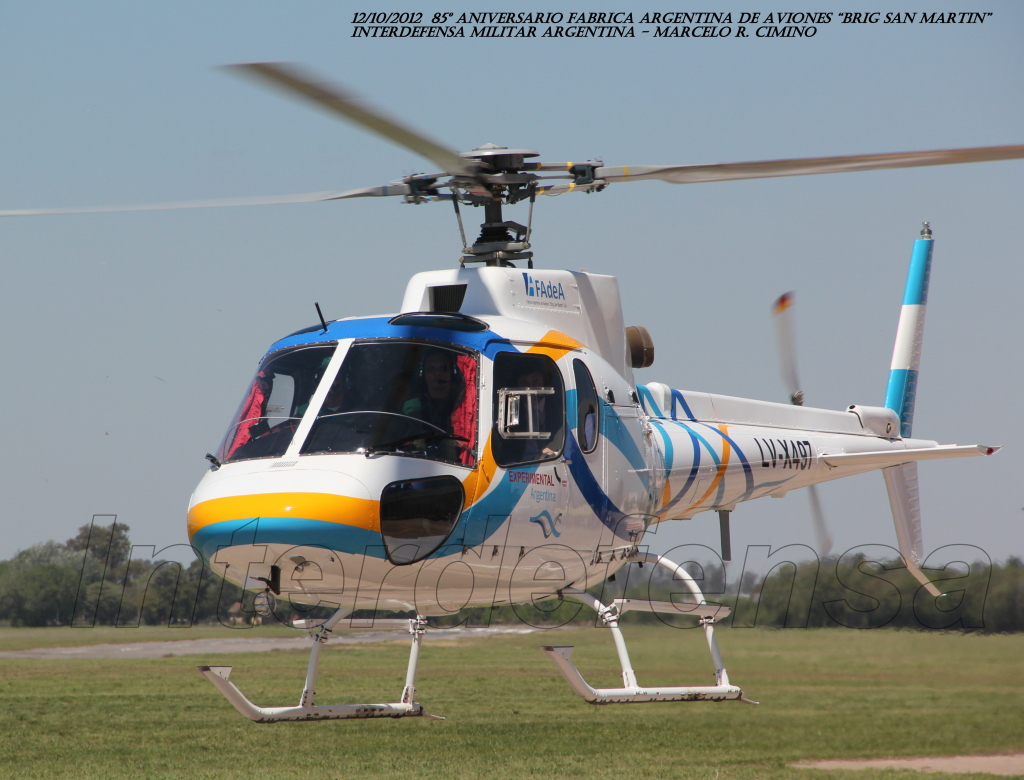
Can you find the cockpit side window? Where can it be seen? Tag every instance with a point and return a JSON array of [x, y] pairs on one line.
[[265, 422], [529, 404], [587, 408], [404, 398]]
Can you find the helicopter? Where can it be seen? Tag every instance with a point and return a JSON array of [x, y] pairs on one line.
[[488, 444]]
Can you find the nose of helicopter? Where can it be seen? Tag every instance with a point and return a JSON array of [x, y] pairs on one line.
[[324, 509]]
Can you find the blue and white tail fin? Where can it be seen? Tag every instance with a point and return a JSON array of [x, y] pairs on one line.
[[901, 481], [906, 355]]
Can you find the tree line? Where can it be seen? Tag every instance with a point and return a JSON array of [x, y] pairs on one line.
[[92, 580]]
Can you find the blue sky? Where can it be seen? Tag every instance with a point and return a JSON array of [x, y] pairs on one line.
[[129, 338]]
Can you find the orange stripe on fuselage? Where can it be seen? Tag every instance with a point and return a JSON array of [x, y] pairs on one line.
[[479, 479], [330, 508], [554, 344], [722, 466]]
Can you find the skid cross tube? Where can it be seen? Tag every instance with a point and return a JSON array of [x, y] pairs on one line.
[[632, 691], [306, 709]]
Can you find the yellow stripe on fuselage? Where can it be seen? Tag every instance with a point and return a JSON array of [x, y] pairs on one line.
[[330, 508]]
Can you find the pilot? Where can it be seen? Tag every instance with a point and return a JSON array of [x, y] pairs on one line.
[[441, 390]]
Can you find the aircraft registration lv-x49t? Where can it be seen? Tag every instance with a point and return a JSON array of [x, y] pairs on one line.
[[488, 444]]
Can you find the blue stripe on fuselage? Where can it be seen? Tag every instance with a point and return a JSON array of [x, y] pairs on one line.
[[615, 431], [486, 342], [600, 504]]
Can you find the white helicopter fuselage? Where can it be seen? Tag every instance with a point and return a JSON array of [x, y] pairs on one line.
[[537, 510]]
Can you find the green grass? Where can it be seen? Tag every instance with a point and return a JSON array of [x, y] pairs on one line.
[[65, 636], [825, 694]]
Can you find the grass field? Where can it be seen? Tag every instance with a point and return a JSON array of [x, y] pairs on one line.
[[825, 694]]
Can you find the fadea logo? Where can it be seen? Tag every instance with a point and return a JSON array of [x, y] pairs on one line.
[[536, 288], [548, 526]]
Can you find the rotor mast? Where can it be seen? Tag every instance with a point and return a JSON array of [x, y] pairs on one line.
[[500, 241]]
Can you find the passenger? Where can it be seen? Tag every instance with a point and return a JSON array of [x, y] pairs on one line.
[[336, 427], [339, 398], [538, 449]]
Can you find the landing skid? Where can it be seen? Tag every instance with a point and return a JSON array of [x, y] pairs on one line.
[[306, 710], [632, 692]]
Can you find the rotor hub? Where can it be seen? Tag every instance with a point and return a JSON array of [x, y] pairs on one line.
[[500, 158]]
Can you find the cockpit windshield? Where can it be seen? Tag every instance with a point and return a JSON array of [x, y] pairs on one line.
[[405, 398], [278, 396]]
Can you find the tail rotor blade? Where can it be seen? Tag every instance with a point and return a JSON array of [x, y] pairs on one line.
[[782, 312], [821, 532]]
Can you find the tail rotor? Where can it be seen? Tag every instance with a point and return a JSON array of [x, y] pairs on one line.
[[782, 312]]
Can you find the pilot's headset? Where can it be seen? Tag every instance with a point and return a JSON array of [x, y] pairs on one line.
[[450, 357]]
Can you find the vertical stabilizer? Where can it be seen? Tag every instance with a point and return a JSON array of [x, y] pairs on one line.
[[906, 355], [901, 484], [901, 481]]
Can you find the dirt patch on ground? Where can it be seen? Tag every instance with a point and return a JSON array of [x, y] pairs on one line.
[[244, 644], [1009, 765]]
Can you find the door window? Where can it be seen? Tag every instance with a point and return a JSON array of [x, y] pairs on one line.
[[529, 403], [587, 408]]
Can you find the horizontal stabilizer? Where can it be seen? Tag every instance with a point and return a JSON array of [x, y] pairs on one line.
[[887, 458]]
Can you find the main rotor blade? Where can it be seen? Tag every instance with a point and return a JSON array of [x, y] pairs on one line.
[[292, 80], [259, 200], [782, 313], [692, 174]]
